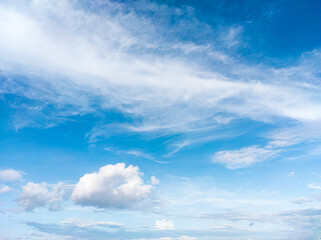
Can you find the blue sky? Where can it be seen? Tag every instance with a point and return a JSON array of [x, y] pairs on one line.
[[160, 120]]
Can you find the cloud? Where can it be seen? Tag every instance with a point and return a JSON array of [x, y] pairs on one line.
[[164, 225], [10, 175], [301, 201], [102, 61], [154, 180], [85, 223], [314, 186], [113, 186], [280, 140], [73, 61], [291, 174], [183, 237], [307, 212], [133, 152], [35, 195], [228, 227], [243, 157], [105, 233], [4, 188]]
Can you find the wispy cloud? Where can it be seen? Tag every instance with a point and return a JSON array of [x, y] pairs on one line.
[[279, 141], [243, 157], [92, 59], [85, 223], [314, 186], [135, 153]]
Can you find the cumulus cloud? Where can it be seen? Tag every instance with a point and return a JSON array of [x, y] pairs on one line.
[[164, 225], [243, 157], [85, 223], [113, 186], [10, 175], [34, 195]]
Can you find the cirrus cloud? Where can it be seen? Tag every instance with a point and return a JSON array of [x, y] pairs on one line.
[[243, 157]]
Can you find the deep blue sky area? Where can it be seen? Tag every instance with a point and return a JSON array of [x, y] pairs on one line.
[[273, 28]]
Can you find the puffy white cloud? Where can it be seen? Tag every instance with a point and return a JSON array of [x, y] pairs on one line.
[[113, 186], [34, 195], [243, 157], [4, 188], [10, 175], [85, 223], [164, 224]]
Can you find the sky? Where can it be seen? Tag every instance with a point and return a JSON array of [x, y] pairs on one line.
[[160, 120]]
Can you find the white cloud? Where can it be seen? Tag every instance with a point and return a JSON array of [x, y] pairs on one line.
[[280, 140], [4, 188], [164, 225], [229, 227], [110, 57], [77, 62], [113, 186], [85, 223], [34, 195], [154, 180], [135, 153], [243, 157], [10, 175], [315, 186]]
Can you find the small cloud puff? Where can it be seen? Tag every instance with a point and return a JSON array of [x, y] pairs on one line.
[[164, 225], [113, 186]]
